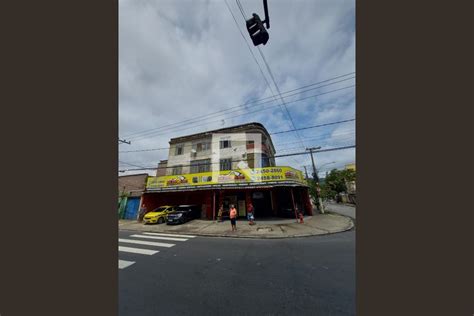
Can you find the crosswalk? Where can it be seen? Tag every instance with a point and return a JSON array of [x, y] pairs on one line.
[[156, 240]]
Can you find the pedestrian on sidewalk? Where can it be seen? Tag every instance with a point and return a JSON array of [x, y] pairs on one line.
[[250, 214], [233, 217], [142, 213]]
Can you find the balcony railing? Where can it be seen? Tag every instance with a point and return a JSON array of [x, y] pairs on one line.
[[239, 176]]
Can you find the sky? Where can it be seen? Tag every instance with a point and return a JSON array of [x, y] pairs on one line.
[[185, 68]]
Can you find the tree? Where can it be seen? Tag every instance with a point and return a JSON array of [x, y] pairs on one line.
[[334, 183]]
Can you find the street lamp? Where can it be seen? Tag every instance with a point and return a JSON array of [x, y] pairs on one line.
[[329, 163]]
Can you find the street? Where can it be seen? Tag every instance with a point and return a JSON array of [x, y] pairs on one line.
[[236, 276], [342, 209]]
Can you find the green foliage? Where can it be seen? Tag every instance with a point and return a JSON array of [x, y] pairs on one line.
[[334, 183]]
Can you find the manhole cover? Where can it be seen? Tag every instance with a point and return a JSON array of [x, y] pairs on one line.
[[264, 229]]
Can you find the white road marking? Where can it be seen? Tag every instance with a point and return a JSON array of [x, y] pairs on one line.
[[159, 237], [122, 264], [148, 243], [138, 250], [170, 235]]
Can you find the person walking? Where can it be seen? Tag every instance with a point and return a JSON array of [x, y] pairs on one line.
[[233, 217], [142, 213], [250, 214]]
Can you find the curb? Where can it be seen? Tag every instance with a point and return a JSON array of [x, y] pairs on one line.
[[349, 227]]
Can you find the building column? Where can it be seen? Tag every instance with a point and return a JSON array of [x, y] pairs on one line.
[[213, 205], [274, 199], [293, 201], [307, 201]]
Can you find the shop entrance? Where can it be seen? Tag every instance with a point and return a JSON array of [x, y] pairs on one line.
[[262, 204], [238, 200]]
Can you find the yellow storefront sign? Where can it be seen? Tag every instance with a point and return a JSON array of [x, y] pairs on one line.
[[235, 176]]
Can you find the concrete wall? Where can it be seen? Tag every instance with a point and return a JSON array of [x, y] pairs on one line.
[[162, 168], [132, 184]]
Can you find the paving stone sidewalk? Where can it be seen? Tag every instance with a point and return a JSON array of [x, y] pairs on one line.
[[320, 224]]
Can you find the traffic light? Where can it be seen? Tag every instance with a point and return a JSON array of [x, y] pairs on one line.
[[258, 32]]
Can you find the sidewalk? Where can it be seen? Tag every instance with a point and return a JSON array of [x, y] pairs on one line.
[[320, 224]]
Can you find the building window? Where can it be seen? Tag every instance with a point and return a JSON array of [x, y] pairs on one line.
[[225, 164], [202, 146], [177, 170], [225, 144], [203, 165], [250, 144], [178, 150], [265, 161], [251, 160]]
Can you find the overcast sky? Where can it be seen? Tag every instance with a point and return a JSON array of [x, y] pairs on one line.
[[182, 60]]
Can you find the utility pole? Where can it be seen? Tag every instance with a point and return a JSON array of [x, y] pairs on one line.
[[306, 172], [316, 179]]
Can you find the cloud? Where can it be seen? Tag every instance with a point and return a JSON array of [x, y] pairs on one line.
[[179, 60]]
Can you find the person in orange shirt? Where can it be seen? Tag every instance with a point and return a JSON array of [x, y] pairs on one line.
[[233, 217]]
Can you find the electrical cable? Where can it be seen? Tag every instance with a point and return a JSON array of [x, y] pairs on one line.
[[248, 113], [269, 157], [243, 106], [280, 132]]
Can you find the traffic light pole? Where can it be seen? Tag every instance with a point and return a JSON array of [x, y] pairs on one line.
[[267, 17], [316, 180]]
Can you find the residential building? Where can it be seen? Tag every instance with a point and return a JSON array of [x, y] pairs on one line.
[[162, 167], [233, 165]]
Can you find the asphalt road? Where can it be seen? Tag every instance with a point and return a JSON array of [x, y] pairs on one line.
[[231, 276], [342, 209]]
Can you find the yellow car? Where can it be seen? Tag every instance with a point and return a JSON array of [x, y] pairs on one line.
[[158, 215]]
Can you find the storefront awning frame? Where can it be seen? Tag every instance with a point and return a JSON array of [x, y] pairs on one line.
[[230, 186]]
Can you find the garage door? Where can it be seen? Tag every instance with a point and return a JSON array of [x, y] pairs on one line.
[[131, 210]]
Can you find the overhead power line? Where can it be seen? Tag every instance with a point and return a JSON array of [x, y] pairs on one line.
[[269, 157], [254, 58], [279, 93], [347, 136], [226, 112], [276, 145], [250, 50], [280, 132], [283, 106], [248, 113], [142, 150], [315, 126], [177, 126], [241, 8], [130, 164]]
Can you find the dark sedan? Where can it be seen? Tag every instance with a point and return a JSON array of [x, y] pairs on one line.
[[183, 214]]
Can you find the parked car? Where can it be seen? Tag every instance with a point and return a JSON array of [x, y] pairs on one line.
[[158, 215], [184, 213]]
